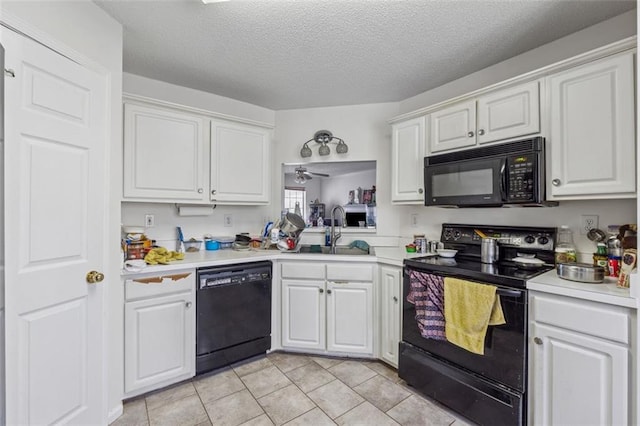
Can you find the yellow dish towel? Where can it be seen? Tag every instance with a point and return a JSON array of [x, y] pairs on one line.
[[469, 308]]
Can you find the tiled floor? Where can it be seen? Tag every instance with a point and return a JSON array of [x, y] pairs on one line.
[[290, 389]]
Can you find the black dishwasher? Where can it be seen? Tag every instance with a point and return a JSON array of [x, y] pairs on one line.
[[233, 314]]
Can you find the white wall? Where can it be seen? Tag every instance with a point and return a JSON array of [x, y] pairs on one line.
[[601, 34], [365, 130], [155, 89], [87, 29]]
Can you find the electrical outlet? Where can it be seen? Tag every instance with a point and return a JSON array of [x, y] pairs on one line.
[[588, 222], [228, 220], [414, 220], [149, 220]]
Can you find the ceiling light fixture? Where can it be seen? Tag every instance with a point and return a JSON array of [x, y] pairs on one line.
[[324, 138]]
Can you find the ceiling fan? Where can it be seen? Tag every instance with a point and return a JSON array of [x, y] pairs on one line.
[[302, 175]]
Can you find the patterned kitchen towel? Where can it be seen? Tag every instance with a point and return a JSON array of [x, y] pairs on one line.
[[427, 294], [469, 308]]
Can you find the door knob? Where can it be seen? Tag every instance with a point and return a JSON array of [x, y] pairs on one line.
[[537, 340], [556, 182], [94, 277]]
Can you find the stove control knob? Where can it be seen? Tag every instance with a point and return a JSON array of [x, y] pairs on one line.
[[529, 239], [543, 240]]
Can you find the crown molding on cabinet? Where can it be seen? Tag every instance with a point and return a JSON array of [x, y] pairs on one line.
[[592, 55], [130, 97]]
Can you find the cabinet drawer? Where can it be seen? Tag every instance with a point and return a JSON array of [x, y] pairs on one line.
[[159, 283], [349, 272], [303, 270], [596, 319]]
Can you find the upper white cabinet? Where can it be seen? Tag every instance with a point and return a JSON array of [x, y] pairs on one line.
[[240, 163], [592, 130], [580, 362], [164, 154], [496, 116], [408, 149], [179, 154]]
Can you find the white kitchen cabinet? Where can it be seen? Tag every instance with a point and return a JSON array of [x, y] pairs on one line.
[[327, 307], [408, 149], [303, 314], [592, 130], [182, 155], [390, 291], [240, 163], [579, 361], [495, 116], [350, 317], [164, 155], [159, 320]]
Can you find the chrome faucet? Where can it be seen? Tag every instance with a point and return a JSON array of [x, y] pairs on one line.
[[334, 237]]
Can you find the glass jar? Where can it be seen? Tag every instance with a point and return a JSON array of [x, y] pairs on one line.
[[565, 251]]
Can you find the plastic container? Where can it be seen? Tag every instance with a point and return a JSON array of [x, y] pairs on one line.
[[565, 251], [211, 244]]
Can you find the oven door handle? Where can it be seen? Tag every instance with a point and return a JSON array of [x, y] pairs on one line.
[[508, 293]]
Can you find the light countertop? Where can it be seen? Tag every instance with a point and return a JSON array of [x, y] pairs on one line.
[[605, 292]]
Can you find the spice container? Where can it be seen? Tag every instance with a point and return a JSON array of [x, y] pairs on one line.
[[600, 258]]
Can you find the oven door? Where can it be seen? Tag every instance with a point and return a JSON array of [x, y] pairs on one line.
[[504, 359], [465, 183]]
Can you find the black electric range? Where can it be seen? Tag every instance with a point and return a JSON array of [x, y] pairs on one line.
[[489, 388]]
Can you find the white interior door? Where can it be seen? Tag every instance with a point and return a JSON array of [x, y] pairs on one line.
[[55, 194]]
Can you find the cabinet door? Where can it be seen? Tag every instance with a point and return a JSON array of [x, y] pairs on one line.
[[303, 314], [390, 313], [509, 113], [453, 127], [240, 158], [592, 130], [577, 379], [408, 146], [159, 341], [164, 155], [350, 317]]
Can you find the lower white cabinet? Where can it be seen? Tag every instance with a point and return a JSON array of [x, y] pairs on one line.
[[390, 291], [159, 320], [327, 307], [579, 362]]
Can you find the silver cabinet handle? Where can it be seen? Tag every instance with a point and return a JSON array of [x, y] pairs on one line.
[[556, 182], [481, 132], [470, 134], [420, 190], [213, 192], [321, 290], [537, 340], [395, 299], [329, 291], [200, 190], [188, 304]]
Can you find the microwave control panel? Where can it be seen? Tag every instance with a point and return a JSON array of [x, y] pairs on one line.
[[521, 177]]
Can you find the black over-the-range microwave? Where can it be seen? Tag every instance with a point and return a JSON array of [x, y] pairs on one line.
[[507, 174]]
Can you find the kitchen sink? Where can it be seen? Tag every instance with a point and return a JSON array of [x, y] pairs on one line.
[[340, 250]]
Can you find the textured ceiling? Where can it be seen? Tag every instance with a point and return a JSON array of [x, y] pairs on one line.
[[298, 54]]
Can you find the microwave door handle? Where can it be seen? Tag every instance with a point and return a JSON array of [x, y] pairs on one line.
[[503, 178]]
